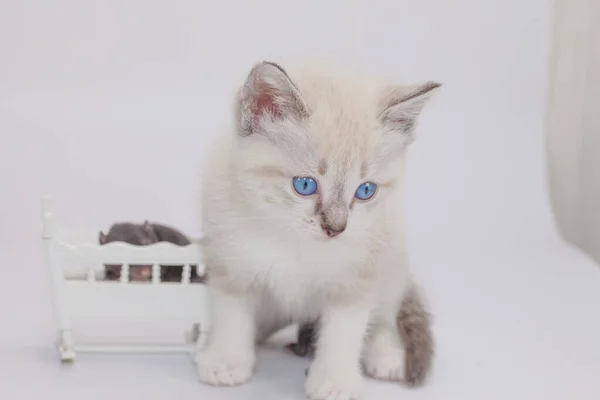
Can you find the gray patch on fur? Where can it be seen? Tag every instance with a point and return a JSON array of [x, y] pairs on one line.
[[334, 215], [414, 326], [306, 340], [323, 167]]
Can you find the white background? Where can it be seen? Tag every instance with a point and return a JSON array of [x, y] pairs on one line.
[[107, 105]]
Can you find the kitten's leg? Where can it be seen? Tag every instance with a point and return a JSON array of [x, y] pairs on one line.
[[402, 348], [335, 373], [230, 354]]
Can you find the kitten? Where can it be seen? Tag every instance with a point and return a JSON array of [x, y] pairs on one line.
[[142, 235], [302, 205]]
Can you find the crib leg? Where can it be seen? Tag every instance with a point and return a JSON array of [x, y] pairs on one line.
[[65, 347], [197, 339], [192, 335]]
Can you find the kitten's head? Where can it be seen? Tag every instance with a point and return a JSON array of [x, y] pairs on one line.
[[318, 152]]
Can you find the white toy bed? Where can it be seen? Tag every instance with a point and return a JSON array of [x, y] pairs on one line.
[[76, 263]]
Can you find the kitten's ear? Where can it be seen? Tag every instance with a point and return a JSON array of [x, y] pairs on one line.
[[401, 105], [102, 238], [268, 93]]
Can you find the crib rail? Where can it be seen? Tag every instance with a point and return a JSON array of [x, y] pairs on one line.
[[123, 253]]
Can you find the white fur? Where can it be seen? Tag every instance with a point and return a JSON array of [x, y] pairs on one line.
[[384, 355], [269, 262]]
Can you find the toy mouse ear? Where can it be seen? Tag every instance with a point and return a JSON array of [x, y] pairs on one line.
[[102, 238]]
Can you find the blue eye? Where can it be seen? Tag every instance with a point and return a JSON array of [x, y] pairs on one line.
[[304, 185], [365, 191]]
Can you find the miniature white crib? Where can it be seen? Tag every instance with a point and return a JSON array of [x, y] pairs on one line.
[[85, 294]]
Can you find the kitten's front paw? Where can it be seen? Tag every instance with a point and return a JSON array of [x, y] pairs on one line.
[[223, 371], [333, 384]]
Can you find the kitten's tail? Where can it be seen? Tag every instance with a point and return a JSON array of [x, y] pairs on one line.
[[414, 325]]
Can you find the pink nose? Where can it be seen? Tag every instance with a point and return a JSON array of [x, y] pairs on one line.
[[331, 232]]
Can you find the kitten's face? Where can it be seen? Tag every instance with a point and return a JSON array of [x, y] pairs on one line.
[[323, 189], [319, 163]]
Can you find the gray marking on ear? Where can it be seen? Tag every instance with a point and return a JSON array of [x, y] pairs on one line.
[[402, 105]]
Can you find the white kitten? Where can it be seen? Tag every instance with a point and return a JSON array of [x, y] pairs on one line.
[[302, 208]]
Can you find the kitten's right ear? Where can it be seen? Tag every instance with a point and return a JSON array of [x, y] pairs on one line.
[[268, 94], [402, 105], [102, 238]]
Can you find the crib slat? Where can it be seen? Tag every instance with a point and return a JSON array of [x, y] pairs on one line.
[[185, 276], [124, 273], [91, 275], [155, 274]]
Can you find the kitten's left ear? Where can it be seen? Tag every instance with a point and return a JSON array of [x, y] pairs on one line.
[[401, 105], [268, 93]]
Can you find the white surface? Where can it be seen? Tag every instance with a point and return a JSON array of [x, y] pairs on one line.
[[510, 324], [573, 122], [106, 107]]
